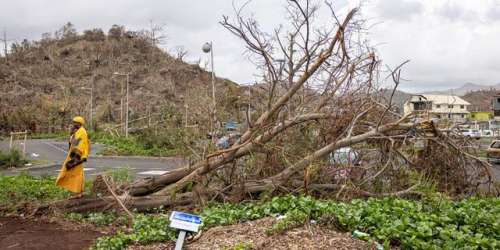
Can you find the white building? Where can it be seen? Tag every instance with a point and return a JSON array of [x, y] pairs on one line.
[[449, 107]]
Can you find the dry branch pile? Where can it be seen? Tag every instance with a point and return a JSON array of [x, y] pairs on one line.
[[323, 97]]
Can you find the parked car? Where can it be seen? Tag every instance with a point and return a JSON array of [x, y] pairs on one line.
[[345, 155], [472, 133], [486, 133], [493, 152]]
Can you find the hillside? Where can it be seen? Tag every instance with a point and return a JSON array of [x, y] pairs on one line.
[[41, 81], [398, 99], [464, 89], [480, 100]]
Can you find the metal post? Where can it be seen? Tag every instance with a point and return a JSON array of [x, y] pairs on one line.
[[149, 116], [10, 143], [180, 240], [186, 118], [24, 145], [213, 79], [91, 125], [126, 115]]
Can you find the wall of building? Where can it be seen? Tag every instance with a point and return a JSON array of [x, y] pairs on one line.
[[449, 108], [480, 116]]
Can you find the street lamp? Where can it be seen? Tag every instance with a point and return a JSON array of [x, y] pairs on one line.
[[126, 103], [207, 47], [91, 99]]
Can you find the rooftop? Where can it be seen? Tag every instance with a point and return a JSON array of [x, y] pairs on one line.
[[442, 99]]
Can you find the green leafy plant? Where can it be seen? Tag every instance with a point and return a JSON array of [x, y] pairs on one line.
[[428, 224], [17, 190], [146, 229], [470, 223], [97, 219], [23, 188]]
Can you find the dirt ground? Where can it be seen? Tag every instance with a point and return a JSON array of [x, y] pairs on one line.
[[251, 235], [39, 233]]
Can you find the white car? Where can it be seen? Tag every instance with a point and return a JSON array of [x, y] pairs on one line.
[[345, 155], [486, 133], [472, 133]]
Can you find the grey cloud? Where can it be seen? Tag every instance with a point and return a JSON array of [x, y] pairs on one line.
[[453, 11], [399, 9], [494, 13]]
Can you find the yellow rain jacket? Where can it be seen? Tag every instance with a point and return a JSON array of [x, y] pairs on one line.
[[73, 179]]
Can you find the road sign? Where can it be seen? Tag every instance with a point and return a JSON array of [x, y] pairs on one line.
[[184, 222]]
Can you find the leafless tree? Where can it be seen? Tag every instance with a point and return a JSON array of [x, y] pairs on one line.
[[320, 97]]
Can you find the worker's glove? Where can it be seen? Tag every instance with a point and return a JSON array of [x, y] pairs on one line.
[[73, 163], [70, 164]]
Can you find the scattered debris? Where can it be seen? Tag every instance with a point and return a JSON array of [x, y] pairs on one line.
[[251, 235]]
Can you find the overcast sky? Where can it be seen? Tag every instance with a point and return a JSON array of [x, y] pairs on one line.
[[449, 43]]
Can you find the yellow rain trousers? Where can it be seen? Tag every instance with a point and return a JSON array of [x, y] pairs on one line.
[[73, 179]]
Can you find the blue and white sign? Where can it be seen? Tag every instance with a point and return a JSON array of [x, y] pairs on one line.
[[185, 221]]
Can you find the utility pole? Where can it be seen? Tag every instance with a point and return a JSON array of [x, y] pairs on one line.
[[126, 115], [208, 47], [126, 101], [5, 40], [90, 103]]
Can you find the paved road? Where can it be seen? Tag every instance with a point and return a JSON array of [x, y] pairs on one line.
[[52, 152], [48, 151]]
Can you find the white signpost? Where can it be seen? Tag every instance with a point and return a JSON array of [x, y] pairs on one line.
[[184, 222]]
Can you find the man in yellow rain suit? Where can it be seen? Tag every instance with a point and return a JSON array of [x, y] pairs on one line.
[[71, 176]]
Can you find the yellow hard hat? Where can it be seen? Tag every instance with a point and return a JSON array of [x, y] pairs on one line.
[[79, 119]]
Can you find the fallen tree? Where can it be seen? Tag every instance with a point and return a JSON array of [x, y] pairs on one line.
[[322, 97]]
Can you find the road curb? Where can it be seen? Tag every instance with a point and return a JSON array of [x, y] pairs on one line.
[[137, 157], [51, 165]]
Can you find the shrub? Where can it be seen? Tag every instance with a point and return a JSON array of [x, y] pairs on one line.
[[12, 159]]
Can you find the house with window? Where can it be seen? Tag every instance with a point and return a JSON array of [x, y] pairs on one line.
[[450, 107], [496, 106]]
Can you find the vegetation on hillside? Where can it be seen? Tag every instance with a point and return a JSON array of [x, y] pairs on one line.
[[44, 83]]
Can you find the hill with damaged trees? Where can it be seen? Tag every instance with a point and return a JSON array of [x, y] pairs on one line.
[[44, 83]]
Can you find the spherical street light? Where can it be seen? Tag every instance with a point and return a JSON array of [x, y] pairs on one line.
[[206, 47]]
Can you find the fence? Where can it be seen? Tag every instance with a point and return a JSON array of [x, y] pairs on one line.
[[14, 134]]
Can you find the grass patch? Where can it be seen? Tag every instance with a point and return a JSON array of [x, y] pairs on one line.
[[60, 135], [16, 191], [98, 219], [121, 175], [11, 159], [22, 189], [140, 145]]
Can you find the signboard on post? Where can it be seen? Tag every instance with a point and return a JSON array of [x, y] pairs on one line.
[[185, 223]]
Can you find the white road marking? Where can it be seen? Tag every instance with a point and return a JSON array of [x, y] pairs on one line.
[[84, 169], [53, 146], [153, 172]]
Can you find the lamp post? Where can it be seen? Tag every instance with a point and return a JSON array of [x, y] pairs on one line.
[[91, 99], [126, 102], [207, 47]]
